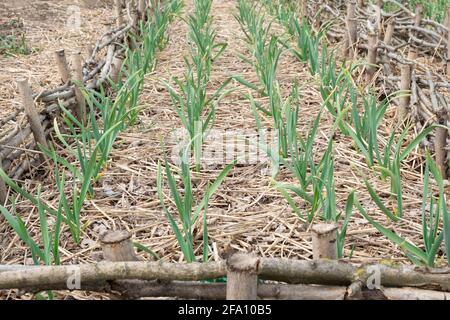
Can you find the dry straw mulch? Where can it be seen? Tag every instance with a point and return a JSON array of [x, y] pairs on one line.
[[246, 213]]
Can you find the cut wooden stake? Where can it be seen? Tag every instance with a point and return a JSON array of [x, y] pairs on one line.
[[417, 21], [440, 144], [78, 80], [90, 50], [117, 246], [242, 277], [133, 12], [118, 10], [63, 67], [379, 15], [3, 190], [448, 42], [141, 9], [361, 4], [447, 16], [351, 37], [389, 32], [324, 241], [31, 112], [116, 66], [371, 56], [405, 85], [412, 54], [418, 15]]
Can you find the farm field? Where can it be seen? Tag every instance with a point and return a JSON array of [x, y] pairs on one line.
[[232, 126]]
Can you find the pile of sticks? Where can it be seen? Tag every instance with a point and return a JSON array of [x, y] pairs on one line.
[[404, 52], [122, 275], [19, 148]]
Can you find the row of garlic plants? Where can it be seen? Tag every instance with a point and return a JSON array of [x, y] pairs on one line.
[[196, 109], [84, 147], [294, 151], [357, 114]]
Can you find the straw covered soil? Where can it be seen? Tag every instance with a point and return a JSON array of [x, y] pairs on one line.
[[247, 213]]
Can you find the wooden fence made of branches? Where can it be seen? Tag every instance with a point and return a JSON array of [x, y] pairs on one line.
[[404, 52], [122, 275], [19, 151]]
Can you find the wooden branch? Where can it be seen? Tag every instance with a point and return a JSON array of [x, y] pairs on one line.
[[324, 272], [50, 92], [25, 166], [109, 60], [134, 289], [12, 116], [110, 37], [414, 294], [19, 137], [16, 154], [330, 272], [109, 271], [33, 160], [420, 31], [355, 290], [16, 139], [196, 290]]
